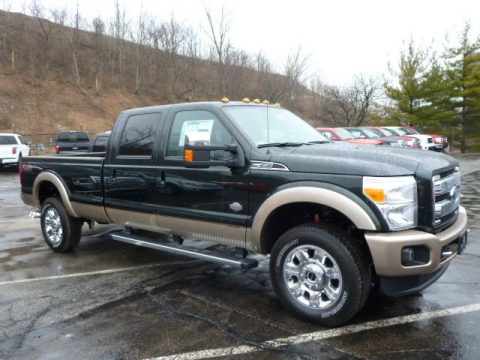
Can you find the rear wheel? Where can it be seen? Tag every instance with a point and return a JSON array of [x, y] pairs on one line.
[[61, 231], [320, 274]]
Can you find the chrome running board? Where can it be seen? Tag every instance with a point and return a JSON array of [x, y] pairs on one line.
[[203, 254]]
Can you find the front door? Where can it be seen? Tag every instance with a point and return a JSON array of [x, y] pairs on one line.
[[210, 203]]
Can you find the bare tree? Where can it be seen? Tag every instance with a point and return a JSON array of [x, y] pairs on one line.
[[171, 40], [350, 106], [74, 42], [139, 39], [218, 33], [37, 10], [295, 70], [120, 28], [98, 41]]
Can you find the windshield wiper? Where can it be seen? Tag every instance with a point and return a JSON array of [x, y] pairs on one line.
[[280, 144], [319, 142]]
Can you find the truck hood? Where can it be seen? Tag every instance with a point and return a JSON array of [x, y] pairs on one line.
[[365, 160]]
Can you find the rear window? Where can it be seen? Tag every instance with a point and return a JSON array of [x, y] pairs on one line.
[[7, 140], [73, 137]]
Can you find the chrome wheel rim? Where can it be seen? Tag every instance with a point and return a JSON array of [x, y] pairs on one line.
[[312, 276], [53, 226]]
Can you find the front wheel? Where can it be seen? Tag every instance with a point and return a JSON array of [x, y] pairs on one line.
[[61, 231], [320, 274]]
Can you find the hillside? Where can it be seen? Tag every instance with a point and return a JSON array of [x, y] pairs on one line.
[[54, 77]]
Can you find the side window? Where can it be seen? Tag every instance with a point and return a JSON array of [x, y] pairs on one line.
[[138, 135], [202, 127], [22, 140]]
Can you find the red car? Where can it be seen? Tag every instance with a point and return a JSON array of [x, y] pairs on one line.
[[340, 134], [410, 141]]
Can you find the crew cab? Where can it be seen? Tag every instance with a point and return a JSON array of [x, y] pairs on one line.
[[12, 148], [440, 142], [335, 219]]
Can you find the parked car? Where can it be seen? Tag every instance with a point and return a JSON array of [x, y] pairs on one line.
[[389, 140], [426, 141], [72, 142], [12, 148], [341, 134], [441, 142], [99, 143], [334, 219]]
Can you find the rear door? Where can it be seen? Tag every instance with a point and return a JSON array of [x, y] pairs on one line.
[[131, 176]]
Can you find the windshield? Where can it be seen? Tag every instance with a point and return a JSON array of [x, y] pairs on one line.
[[370, 133], [410, 131], [389, 132], [397, 131], [265, 125], [343, 134], [356, 133]]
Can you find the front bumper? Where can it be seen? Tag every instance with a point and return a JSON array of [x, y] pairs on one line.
[[386, 248]]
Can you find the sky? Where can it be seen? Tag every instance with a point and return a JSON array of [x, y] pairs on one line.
[[341, 38]]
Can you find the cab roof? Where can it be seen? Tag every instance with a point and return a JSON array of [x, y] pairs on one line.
[[219, 104]]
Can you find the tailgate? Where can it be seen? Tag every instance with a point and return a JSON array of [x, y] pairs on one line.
[[6, 151], [74, 146]]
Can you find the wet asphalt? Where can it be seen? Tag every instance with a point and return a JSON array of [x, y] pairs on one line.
[[109, 300]]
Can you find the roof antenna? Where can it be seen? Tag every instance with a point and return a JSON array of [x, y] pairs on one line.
[[268, 128]]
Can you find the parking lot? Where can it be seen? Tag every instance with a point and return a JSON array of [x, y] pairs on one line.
[[109, 300]]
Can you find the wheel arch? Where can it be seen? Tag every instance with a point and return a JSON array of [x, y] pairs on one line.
[[339, 200], [49, 180]]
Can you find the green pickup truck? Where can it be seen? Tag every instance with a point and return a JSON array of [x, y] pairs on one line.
[[335, 219]]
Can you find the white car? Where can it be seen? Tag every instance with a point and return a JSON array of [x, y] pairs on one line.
[[426, 141], [12, 148]]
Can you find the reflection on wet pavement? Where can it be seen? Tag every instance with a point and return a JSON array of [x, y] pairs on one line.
[[471, 197]]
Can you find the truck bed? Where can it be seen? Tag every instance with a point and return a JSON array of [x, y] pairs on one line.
[[81, 173]]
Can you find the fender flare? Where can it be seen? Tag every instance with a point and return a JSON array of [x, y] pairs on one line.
[[310, 194], [48, 176]]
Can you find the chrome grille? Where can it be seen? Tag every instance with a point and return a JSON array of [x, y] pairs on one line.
[[446, 192]]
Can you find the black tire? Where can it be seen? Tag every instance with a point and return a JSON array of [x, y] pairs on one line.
[[71, 228], [348, 256]]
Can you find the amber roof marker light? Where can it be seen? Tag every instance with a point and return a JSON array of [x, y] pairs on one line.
[[225, 100], [246, 100]]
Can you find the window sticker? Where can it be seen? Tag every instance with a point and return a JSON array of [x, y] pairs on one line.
[[202, 127]]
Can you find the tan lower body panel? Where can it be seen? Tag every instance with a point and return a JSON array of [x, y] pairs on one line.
[[27, 199], [386, 248], [88, 211], [201, 230]]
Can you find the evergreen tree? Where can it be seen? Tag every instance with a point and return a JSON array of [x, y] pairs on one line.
[[463, 79], [413, 84]]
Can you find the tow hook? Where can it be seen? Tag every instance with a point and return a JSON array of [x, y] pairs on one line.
[[34, 214]]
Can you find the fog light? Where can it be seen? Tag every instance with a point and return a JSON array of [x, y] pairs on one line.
[[408, 254], [415, 255]]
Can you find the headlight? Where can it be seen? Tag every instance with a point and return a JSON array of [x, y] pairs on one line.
[[396, 197]]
